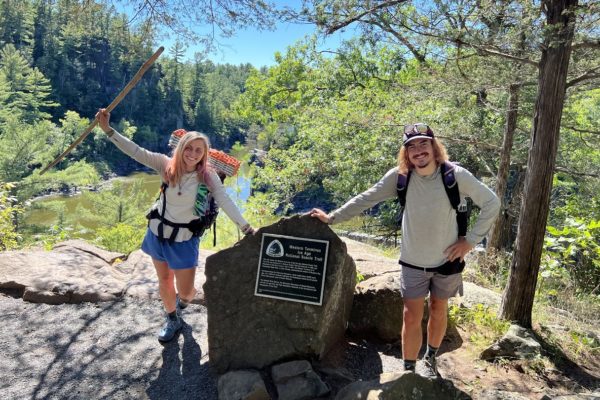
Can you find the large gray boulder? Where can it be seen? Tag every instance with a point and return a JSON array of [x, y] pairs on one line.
[[75, 271], [248, 331], [72, 273], [377, 308]]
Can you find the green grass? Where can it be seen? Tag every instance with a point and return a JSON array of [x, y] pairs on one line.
[[480, 322]]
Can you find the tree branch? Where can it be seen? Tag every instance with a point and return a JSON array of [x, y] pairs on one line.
[[343, 24], [586, 44], [581, 130], [591, 74], [576, 173], [492, 52], [415, 52]]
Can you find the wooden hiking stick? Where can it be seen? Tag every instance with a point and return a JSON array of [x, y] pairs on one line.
[[136, 78]]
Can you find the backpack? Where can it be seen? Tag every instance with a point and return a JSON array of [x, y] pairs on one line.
[[209, 211], [451, 188], [205, 207]]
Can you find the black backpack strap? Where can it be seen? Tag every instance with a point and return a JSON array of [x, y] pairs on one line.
[[163, 192], [451, 187], [215, 234], [402, 187]]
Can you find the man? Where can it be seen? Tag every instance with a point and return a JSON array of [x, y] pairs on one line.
[[432, 252]]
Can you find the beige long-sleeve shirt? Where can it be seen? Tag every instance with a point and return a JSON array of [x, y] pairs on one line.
[[429, 222], [179, 207]]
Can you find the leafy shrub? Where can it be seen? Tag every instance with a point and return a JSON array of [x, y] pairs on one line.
[[9, 208], [572, 256], [122, 238], [480, 320]]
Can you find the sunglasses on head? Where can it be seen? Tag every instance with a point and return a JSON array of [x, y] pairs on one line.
[[416, 129]]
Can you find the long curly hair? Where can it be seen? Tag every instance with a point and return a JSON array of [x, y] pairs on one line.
[[439, 153], [176, 166]]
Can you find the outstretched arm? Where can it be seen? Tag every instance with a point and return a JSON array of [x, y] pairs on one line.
[[382, 190], [156, 161], [224, 201]]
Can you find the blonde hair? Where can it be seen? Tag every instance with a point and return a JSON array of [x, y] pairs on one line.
[[176, 166], [439, 154]]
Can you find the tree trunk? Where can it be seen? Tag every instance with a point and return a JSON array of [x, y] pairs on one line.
[[502, 177], [509, 233], [517, 301]]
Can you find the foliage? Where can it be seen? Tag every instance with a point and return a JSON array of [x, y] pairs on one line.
[[118, 204], [572, 257], [27, 90], [9, 209], [583, 341], [480, 321], [55, 234], [332, 129], [78, 174], [122, 237], [489, 269], [221, 18]]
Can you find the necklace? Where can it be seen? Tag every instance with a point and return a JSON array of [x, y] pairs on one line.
[[184, 183]]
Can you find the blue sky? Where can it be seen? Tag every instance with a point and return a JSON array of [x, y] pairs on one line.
[[252, 45], [258, 47]]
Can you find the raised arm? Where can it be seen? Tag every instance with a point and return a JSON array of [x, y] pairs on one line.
[[156, 161]]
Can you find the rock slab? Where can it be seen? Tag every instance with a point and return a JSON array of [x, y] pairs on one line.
[[242, 385], [296, 380], [75, 271], [247, 331], [401, 386]]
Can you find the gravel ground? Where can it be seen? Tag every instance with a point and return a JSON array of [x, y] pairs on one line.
[[109, 351], [101, 351]]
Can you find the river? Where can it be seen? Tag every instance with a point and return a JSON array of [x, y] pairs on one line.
[[46, 212]]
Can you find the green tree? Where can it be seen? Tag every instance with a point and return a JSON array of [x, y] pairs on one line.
[[119, 204], [9, 209], [28, 91], [458, 25], [16, 24]]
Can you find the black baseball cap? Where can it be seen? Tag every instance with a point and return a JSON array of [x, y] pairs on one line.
[[416, 131]]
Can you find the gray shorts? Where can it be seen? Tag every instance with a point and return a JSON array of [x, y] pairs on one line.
[[417, 283]]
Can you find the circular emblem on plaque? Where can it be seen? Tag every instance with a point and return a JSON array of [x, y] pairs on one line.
[[275, 249]]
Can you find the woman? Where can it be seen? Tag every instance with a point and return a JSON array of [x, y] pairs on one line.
[[172, 239]]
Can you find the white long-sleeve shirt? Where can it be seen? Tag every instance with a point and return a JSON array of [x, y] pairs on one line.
[[429, 222], [179, 208]]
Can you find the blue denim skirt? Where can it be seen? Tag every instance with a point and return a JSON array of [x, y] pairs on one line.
[[178, 255]]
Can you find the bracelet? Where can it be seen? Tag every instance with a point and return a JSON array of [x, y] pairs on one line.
[[330, 219], [110, 132]]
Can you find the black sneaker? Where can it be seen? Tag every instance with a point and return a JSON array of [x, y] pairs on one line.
[[170, 329], [427, 368]]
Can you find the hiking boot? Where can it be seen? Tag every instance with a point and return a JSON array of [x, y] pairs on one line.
[[427, 368], [170, 329]]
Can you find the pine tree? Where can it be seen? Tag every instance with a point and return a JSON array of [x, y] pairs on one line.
[[28, 90], [16, 24]]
